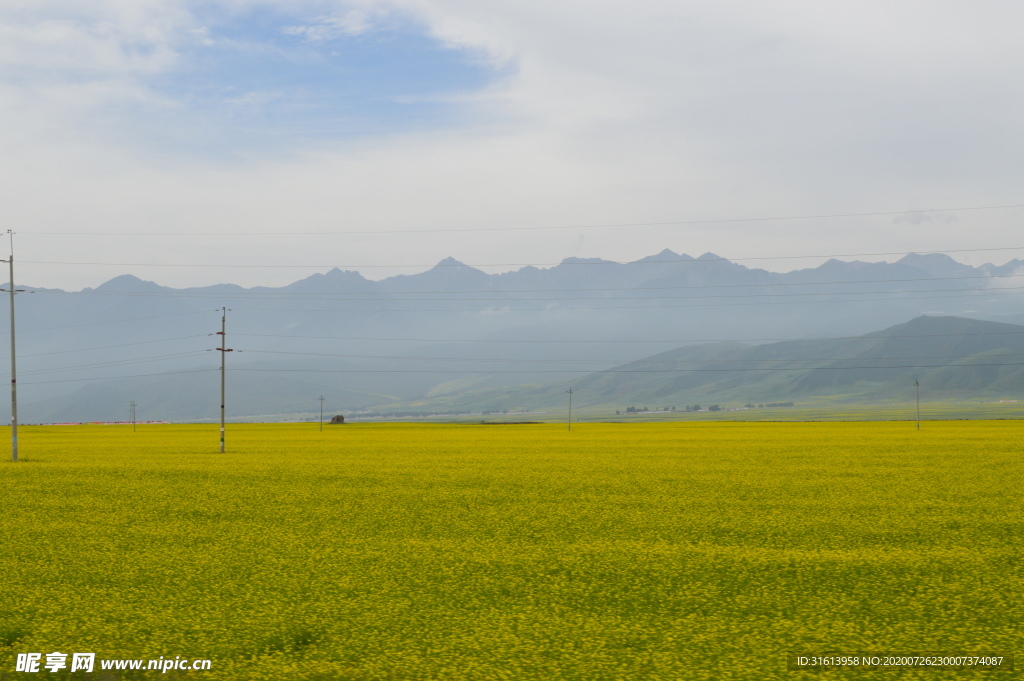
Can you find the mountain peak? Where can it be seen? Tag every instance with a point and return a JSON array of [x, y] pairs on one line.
[[915, 258], [666, 255], [936, 264], [335, 273], [582, 261], [333, 279], [127, 282], [945, 325], [450, 262]]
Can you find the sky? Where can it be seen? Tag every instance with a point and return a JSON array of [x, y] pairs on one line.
[[258, 142]]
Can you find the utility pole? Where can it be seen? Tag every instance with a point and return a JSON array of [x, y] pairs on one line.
[[321, 413], [132, 412], [224, 349], [14, 377], [570, 408], [917, 398]]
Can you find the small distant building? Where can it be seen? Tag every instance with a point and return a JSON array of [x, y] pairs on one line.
[[338, 419]]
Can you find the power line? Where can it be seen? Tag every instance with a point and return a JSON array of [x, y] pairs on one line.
[[641, 361], [113, 321], [286, 295], [894, 297], [646, 340], [519, 360], [698, 297], [98, 365], [120, 345], [120, 362], [590, 262], [502, 299], [110, 378], [897, 295], [668, 223], [544, 371], [627, 371]]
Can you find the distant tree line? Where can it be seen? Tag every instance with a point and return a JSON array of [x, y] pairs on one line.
[[689, 407], [405, 414], [697, 407], [638, 410]]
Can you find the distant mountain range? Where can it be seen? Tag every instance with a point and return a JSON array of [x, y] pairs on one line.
[[454, 336]]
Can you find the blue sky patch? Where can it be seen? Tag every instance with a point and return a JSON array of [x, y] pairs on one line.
[[266, 77]]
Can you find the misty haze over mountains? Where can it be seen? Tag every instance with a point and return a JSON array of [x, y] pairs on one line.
[[445, 337]]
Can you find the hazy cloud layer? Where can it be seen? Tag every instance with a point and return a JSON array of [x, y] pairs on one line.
[[173, 116]]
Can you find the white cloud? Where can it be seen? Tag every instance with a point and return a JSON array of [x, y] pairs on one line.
[[609, 112], [96, 38]]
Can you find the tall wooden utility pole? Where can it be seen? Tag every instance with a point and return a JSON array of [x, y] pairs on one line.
[[917, 398], [14, 374], [570, 408], [321, 413], [224, 349]]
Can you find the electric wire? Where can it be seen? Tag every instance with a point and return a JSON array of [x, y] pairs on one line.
[[575, 262], [546, 371], [503, 299], [644, 361], [558, 305], [110, 378], [646, 340], [103, 365], [107, 347], [567, 308], [622, 371], [284, 295], [113, 321], [849, 297], [666, 223]]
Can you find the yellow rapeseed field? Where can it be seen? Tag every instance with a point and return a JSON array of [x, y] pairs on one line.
[[616, 551]]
